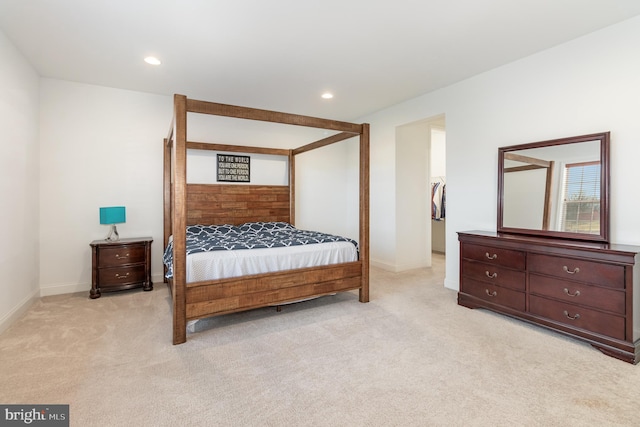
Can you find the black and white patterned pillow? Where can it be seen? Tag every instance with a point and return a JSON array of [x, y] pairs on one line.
[[260, 226], [204, 230]]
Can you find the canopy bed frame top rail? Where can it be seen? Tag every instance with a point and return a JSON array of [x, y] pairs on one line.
[[188, 204]]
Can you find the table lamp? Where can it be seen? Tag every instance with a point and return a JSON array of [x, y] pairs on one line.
[[113, 215]]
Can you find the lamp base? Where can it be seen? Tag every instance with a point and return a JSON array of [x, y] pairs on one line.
[[113, 235]]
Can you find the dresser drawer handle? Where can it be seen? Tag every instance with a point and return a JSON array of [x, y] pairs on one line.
[[491, 294], [118, 276], [576, 317], [494, 256], [491, 276], [118, 256], [575, 270], [576, 294]]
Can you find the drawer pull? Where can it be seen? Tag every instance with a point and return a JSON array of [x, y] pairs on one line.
[[124, 276], [566, 291], [118, 256], [491, 294], [491, 276], [494, 256], [566, 270], [576, 317]]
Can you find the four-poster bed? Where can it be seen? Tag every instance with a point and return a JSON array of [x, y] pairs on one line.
[[188, 204]]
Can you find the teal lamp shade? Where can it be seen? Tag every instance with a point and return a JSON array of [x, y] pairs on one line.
[[111, 216]]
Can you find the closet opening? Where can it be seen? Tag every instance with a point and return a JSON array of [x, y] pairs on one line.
[[420, 223], [438, 187]]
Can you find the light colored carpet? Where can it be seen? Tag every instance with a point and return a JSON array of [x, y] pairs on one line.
[[410, 357]]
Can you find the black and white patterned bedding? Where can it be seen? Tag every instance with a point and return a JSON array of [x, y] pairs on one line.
[[251, 235]]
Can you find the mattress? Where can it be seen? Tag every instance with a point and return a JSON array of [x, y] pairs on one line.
[[224, 251]]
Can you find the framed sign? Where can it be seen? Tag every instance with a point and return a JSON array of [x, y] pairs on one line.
[[232, 168]]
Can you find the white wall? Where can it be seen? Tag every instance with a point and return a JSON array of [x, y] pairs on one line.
[[589, 85], [413, 229], [323, 188], [525, 191], [98, 147], [263, 169], [438, 153], [19, 184]]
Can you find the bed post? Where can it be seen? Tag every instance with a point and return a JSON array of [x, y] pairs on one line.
[[364, 212], [166, 193], [292, 188], [179, 219]]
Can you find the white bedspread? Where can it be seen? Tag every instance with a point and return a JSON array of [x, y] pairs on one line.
[[224, 264]]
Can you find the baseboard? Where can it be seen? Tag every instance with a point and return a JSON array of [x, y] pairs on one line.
[[64, 289], [395, 268], [382, 265], [451, 284], [82, 287], [157, 279], [18, 311]]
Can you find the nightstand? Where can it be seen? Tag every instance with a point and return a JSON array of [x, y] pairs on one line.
[[120, 265]]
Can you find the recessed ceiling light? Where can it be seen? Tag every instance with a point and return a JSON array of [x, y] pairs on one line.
[[327, 95], [152, 60]]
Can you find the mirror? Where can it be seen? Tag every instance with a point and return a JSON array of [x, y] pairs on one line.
[[556, 188]]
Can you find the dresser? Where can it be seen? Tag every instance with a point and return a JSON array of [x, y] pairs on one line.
[[589, 291], [120, 265]]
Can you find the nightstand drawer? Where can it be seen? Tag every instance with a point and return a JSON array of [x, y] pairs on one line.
[[121, 255], [116, 276], [579, 317]]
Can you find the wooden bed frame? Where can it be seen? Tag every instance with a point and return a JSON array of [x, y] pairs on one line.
[[188, 204]]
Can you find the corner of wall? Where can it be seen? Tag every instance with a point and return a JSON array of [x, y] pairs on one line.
[[15, 313]]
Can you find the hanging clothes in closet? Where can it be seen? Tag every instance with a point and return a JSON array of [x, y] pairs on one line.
[[438, 200]]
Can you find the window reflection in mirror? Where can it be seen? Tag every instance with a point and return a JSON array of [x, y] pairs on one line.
[[580, 199]]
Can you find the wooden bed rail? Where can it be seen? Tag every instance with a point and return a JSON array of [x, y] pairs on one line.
[[225, 110]]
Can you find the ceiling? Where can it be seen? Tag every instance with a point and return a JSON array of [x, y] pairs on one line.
[[283, 54]]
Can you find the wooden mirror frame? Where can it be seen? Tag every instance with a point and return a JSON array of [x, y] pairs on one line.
[[603, 236]]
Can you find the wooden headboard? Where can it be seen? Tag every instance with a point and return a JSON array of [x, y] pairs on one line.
[[237, 204]]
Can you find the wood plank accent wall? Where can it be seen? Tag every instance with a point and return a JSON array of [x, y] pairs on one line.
[[236, 204]]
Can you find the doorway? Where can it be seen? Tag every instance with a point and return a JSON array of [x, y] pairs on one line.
[[420, 149], [438, 187]]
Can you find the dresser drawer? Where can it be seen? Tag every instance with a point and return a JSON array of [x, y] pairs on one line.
[[584, 271], [494, 274], [121, 255], [504, 257], [494, 294], [578, 293], [579, 317], [116, 276]]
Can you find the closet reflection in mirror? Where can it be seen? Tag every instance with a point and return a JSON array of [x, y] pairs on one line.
[[555, 188]]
